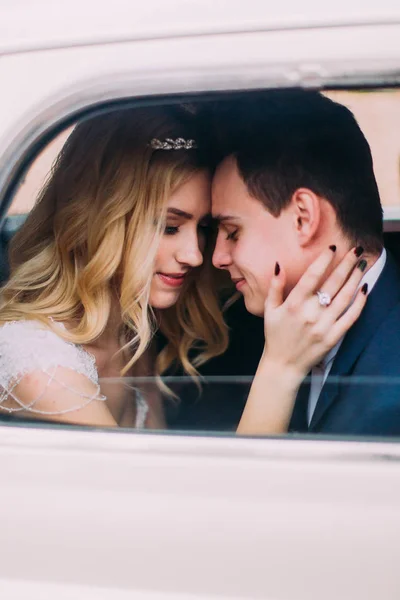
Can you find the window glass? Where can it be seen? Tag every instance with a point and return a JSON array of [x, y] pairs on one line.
[[36, 176], [378, 115], [377, 112], [341, 398]]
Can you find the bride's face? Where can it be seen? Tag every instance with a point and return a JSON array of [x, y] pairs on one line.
[[182, 244]]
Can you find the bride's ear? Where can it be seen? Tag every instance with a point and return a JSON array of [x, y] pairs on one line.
[[306, 214]]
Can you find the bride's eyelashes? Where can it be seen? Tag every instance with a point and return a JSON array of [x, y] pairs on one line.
[[171, 230], [203, 229]]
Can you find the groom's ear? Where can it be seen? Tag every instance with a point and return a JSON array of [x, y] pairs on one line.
[[306, 209]]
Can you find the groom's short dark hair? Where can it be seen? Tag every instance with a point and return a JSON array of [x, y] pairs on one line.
[[295, 138]]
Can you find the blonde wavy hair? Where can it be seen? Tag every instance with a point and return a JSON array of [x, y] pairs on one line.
[[93, 235]]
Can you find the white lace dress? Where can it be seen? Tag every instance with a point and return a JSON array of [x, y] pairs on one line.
[[27, 347]]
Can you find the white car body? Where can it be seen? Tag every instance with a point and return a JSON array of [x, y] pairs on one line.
[[113, 515]]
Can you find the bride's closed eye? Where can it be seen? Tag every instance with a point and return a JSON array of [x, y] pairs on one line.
[[204, 229], [171, 230]]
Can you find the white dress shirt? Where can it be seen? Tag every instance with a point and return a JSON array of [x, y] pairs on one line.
[[321, 371]]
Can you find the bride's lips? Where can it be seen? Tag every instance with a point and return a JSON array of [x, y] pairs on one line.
[[239, 282], [172, 279]]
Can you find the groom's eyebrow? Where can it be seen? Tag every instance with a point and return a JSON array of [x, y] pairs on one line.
[[223, 218]]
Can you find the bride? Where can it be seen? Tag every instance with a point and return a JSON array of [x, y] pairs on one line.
[[119, 244]]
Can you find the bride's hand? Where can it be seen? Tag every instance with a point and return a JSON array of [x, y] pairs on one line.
[[299, 332]]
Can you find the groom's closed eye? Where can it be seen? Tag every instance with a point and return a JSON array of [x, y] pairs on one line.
[[232, 235], [229, 230]]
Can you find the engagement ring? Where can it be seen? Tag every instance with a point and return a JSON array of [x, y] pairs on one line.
[[324, 298]]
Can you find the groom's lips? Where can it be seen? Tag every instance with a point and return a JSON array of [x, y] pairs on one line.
[[239, 282]]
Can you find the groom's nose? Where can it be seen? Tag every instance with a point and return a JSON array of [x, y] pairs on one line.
[[221, 258]]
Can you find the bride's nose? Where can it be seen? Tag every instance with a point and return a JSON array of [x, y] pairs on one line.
[[189, 252]]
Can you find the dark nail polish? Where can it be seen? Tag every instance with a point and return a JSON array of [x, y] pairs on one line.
[[333, 248], [362, 265], [358, 251], [277, 269], [364, 289]]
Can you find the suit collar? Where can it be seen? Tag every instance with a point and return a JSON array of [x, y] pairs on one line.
[[371, 277], [383, 298]]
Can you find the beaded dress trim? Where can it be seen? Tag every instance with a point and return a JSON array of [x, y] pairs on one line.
[[27, 346]]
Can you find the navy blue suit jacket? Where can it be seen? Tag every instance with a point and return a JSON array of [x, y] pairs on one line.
[[371, 349]]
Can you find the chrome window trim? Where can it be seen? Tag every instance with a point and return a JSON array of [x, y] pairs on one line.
[[298, 449]]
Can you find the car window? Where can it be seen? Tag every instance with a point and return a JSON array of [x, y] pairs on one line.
[[377, 112], [216, 406], [36, 176]]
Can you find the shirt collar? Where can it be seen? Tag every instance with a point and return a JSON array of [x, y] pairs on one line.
[[370, 277]]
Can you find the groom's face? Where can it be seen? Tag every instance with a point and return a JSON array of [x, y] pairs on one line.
[[251, 240]]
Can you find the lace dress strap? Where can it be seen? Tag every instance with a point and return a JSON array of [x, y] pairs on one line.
[[28, 347]]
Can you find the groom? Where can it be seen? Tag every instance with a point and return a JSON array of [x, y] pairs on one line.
[[295, 179]]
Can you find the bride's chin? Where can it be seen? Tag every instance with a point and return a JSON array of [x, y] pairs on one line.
[[163, 301]]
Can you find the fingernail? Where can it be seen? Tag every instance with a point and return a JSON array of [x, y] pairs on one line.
[[358, 251], [277, 269], [364, 289], [333, 248], [362, 265]]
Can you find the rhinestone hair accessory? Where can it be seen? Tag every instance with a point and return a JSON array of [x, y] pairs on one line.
[[170, 144]]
